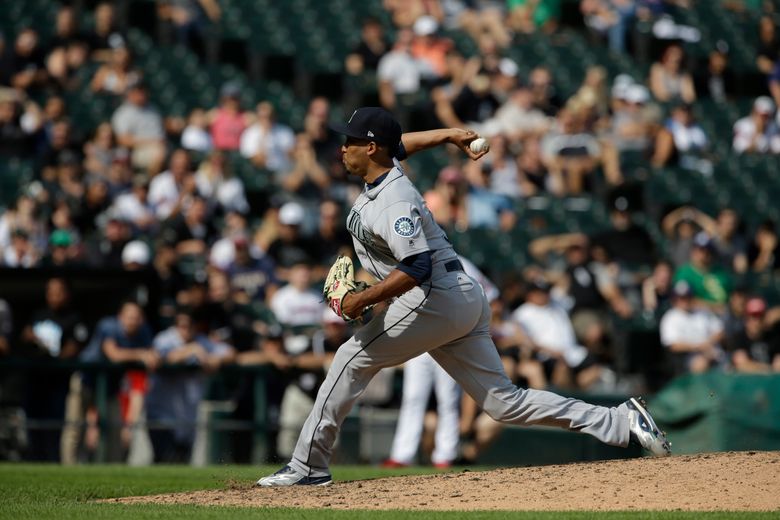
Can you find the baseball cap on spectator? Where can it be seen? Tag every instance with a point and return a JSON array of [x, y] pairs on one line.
[[621, 85], [450, 175], [702, 240], [425, 26], [372, 124], [539, 284], [60, 238], [291, 214], [764, 105], [222, 254], [682, 289], [755, 307], [230, 89], [136, 252], [508, 67], [637, 94], [621, 204]]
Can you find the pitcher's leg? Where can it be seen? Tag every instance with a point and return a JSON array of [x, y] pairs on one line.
[[418, 382], [447, 407], [474, 362]]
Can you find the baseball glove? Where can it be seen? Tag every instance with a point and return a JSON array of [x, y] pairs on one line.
[[340, 282]]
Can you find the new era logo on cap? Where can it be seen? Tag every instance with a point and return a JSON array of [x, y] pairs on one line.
[[370, 133]]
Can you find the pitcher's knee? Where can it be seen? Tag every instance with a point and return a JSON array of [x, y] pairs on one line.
[[503, 406]]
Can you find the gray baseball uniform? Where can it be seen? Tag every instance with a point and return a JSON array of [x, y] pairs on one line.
[[447, 316]]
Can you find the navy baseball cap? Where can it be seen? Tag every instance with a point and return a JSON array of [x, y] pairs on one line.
[[372, 124]]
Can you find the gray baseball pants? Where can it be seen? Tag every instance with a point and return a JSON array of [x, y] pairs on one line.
[[448, 317]]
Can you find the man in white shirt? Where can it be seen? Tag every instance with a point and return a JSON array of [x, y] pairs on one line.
[[168, 189], [398, 72], [692, 334], [550, 330], [267, 143], [757, 133], [297, 304]]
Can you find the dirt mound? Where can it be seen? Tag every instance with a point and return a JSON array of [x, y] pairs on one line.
[[735, 481]]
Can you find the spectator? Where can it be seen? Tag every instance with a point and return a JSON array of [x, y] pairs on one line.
[[173, 399], [633, 121], [611, 18], [192, 230], [195, 136], [327, 144], [571, 153], [62, 251], [106, 36], [730, 244], [227, 120], [542, 86], [756, 348], [454, 203], [692, 334], [136, 255], [14, 140], [306, 177], [115, 76], [190, 19], [657, 288], [683, 142], [68, 48], [20, 252], [267, 143], [669, 81], [55, 331], [253, 276], [709, 283], [139, 127], [763, 253], [625, 242], [769, 44], [124, 338], [94, 202], [398, 73], [429, 49], [499, 172], [716, 81], [297, 304], [100, 152], [551, 333], [105, 249], [169, 190], [528, 16], [474, 103], [517, 118], [334, 237], [531, 167], [133, 206], [367, 54], [216, 182], [309, 366], [680, 226], [758, 133], [27, 67], [290, 247]]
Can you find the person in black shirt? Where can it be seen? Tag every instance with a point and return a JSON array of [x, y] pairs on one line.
[[625, 242], [756, 347], [106, 36], [291, 247], [55, 331], [373, 45], [768, 46], [27, 66], [763, 253], [716, 81]]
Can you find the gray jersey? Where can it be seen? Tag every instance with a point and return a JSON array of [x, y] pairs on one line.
[[390, 222]]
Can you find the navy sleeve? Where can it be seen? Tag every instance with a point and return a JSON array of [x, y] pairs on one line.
[[417, 266]]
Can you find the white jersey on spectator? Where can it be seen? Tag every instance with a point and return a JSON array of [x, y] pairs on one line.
[[295, 308], [678, 326], [550, 327]]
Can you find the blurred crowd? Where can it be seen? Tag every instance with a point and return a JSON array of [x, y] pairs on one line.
[[237, 278]]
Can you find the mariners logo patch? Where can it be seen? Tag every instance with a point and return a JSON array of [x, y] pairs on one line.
[[404, 226]]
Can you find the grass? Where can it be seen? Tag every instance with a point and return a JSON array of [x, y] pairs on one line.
[[55, 492]]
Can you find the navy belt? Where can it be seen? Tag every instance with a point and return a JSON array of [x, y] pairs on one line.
[[453, 265]]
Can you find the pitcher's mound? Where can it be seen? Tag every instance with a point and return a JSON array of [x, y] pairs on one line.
[[735, 481]]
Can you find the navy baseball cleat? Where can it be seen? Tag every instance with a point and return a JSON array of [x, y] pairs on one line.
[[289, 477], [644, 431]]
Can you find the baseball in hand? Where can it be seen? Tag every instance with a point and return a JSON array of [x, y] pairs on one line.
[[479, 144]]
